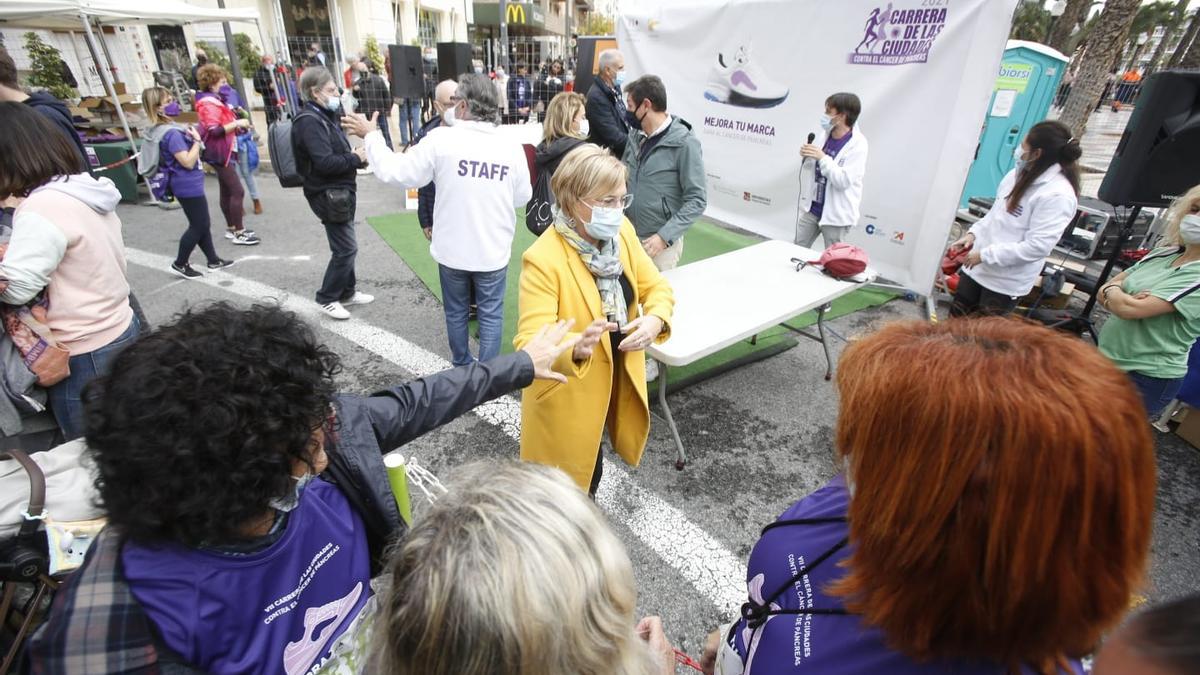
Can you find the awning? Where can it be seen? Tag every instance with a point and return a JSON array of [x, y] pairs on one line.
[[65, 14]]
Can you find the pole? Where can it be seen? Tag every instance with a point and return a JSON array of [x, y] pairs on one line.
[[112, 65], [1123, 237], [105, 79], [234, 62], [504, 35], [335, 19]]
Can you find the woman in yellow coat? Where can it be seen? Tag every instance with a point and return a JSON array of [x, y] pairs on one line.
[[590, 267]]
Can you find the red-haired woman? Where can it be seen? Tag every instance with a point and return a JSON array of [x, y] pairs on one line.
[[1034, 205], [989, 520], [219, 126]]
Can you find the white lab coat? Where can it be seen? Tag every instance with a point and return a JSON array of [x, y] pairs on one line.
[[844, 183], [481, 177], [1014, 246]]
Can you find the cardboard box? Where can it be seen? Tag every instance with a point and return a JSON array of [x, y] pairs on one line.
[[1189, 428], [1059, 301], [119, 87]]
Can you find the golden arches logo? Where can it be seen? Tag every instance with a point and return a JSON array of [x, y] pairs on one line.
[[515, 13]]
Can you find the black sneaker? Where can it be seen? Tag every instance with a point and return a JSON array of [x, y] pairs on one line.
[[185, 271], [220, 264]]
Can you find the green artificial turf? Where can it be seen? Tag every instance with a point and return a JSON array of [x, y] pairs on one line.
[[704, 240]]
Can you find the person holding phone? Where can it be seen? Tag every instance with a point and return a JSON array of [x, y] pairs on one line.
[[179, 153], [590, 266], [1034, 205]]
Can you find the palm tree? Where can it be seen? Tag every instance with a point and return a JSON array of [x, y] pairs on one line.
[[1189, 36], [1173, 25], [1146, 22], [1105, 46], [1075, 13], [1030, 22]]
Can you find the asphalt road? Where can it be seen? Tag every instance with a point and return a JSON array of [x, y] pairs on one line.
[[759, 438]]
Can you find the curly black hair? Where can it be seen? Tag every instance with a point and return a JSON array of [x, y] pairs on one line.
[[196, 429]]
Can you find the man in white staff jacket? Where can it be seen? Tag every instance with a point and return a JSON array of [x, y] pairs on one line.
[[481, 177], [831, 176]]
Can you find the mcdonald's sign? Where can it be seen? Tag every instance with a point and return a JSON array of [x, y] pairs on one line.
[[493, 13], [516, 14]]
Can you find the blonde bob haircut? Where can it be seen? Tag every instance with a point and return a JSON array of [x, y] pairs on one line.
[[587, 172], [513, 572], [561, 114], [152, 101], [1187, 204]]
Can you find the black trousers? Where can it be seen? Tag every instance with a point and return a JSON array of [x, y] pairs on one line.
[[199, 230], [971, 299], [597, 473], [339, 280]]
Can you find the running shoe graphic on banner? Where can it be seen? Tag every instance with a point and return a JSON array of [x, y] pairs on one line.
[[741, 83]]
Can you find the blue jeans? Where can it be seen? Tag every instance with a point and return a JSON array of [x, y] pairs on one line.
[[410, 110], [247, 176], [66, 397], [1156, 392], [489, 299]]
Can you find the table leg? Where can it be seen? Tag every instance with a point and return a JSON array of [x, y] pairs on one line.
[[681, 456], [825, 342]]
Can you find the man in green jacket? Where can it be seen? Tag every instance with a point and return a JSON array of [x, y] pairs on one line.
[[666, 172]]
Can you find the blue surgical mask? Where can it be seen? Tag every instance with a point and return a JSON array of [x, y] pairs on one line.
[[605, 223], [333, 104], [619, 80], [826, 122], [290, 502]]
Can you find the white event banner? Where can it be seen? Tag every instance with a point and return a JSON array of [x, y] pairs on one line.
[[752, 76]]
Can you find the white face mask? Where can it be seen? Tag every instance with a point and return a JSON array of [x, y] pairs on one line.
[[448, 117], [290, 502], [1019, 155], [1189, 230], [584, 128]]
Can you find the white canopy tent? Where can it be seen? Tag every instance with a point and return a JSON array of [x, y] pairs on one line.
[[70, 14]]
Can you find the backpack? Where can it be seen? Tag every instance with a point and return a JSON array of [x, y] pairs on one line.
[[842, 261], [539, 212], [282, 150], [156, 172]]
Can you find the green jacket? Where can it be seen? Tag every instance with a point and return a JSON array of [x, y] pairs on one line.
[[667, 185]]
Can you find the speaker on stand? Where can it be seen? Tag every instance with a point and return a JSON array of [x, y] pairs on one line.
[[408, 78], [454, 59], [1154, 164]]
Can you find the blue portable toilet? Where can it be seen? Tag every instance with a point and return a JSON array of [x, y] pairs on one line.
[[1030, 74]]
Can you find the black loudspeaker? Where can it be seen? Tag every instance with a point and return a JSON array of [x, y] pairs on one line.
[[454, 59], [408, 79], [1156, 158]]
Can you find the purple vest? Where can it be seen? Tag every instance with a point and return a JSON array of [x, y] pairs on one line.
[[274, 611], [791, 644]]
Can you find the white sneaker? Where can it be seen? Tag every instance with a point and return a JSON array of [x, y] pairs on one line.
[[334, 310], [229, 233], [245, 238], [739, 82], [360, 298]]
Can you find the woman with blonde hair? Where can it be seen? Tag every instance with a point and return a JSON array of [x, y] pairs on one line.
[[178, 150], [590, 267], [994, 517], [565, 128], [514, 572], [1155, 309]]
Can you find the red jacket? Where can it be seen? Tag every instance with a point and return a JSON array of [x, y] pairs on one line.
[[214, 114]]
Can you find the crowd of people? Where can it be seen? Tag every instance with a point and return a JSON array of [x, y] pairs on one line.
[[251, 524]]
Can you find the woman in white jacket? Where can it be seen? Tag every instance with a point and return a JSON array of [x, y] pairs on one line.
[[831, 191], [1034, 204]]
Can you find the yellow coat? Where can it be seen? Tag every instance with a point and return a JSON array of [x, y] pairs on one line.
[[562, 424]]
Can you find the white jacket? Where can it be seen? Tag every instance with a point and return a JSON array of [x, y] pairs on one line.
[[1014, 246], [844, 183], [481, 177]]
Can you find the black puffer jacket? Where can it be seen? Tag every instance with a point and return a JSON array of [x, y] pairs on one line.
[[549, 155]]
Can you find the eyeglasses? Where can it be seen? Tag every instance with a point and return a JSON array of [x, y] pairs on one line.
[[615, 202]]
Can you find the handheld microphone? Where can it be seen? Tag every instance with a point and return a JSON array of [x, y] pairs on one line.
[[811, 137]]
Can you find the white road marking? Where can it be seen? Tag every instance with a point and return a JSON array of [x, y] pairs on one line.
[[711, 569], [289, 258]]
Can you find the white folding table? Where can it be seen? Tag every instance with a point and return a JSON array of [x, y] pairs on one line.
[[737, 295]]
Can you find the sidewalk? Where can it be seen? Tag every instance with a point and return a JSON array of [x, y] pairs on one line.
[[1099, 144]]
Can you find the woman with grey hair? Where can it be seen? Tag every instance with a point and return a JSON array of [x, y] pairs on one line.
[[330, 170], [514, 572], [481, 176]]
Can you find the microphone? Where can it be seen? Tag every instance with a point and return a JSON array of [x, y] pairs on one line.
[[811, 137]]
